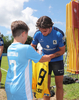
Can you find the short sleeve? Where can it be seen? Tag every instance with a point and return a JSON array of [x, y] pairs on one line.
[[35, 39], [33, 55], [61, 40]]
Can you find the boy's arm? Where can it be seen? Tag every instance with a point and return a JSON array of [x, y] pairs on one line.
[[45, 57]]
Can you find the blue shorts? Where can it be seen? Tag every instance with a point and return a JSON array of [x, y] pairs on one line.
[[57, 68]]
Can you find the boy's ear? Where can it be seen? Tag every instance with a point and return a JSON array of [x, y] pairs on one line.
[[23, 33]]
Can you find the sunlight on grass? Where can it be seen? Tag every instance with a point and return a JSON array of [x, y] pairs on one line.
[[4, 65], [71, 91]]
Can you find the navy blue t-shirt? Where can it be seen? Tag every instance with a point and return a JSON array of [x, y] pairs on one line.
[[1, 44]]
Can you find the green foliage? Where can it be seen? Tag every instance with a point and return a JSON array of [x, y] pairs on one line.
[[8, 41], [29, 40]]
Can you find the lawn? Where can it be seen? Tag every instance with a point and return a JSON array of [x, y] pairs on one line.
[[4, 66], [71, 91]]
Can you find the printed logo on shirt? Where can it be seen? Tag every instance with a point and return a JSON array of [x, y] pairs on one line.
[[41, 40], [12, 54], [1, 42], [47, 46], [54, 41], [63, 39]]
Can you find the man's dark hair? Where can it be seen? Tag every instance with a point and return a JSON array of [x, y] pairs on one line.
[[44, 22], [18, 27]]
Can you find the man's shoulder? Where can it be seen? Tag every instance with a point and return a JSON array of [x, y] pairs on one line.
[[37, 32], [59, 30]]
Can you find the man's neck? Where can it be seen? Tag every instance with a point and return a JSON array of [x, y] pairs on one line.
[[50, 30]]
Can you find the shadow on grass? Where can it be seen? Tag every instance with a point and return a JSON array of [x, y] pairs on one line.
[[2, 86]]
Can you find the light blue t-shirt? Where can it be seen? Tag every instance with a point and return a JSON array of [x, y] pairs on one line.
[[51, 42], [18, 83]]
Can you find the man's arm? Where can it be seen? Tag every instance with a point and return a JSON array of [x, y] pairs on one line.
[[1, 50], [33, 45], [59, 53]]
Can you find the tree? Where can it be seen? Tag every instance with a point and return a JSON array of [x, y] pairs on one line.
[[29, 40], [7, 42]]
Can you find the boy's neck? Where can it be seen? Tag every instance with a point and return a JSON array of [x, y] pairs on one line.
[[17, 40]]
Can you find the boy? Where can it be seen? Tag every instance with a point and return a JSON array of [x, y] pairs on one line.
[[18, 83]]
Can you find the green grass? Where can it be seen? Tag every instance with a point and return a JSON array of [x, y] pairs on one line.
[[4, 65], [71, 91]]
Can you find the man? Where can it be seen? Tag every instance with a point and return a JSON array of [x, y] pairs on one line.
[[1, 51], [52, 41], [18, 83]]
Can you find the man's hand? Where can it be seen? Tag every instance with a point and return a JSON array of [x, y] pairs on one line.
[[59, 53]]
